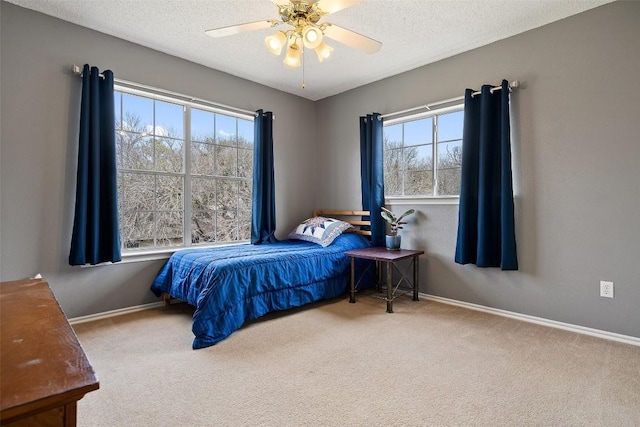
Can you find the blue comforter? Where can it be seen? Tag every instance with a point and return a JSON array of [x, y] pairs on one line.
[[232, 284]]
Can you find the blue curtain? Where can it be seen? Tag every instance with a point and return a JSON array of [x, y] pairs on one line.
[[263, 215], [371, 174], [486, 230], [96, 236]]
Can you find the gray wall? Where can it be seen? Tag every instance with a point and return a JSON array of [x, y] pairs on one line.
[[575, 149], [40, 98], [576, 127]]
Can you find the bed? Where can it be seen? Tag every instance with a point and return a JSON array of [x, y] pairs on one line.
[[230, 285]]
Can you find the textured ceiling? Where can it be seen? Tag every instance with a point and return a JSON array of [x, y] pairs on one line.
[[413, 33]]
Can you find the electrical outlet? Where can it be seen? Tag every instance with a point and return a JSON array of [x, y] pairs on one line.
[[606, 289]]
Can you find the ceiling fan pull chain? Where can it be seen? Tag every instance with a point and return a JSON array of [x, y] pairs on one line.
[[303, 61]]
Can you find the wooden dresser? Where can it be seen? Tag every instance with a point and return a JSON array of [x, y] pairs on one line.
[[44, 370]]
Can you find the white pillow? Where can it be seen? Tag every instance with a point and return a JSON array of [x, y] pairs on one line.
[[320, 230]]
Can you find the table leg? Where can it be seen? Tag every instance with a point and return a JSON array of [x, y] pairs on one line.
[[352, 294], [389, 290], [378, 276], [70, 415], [416, 282]]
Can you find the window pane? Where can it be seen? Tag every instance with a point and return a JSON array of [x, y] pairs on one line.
[[245, 163], [169, 120], [203, 227], [137, 113], [136, 229], [203, 194], [418, 183], [245, 133], [393, 135], [169, 155], [169, 207], [169, 228], [244, 196], [450, 126], [226, 130], [136, 192], [450, 154], [227, 195], [449, 164], [169, 193], [225, 161], [244, 225], [134, 151], [227, 226], [393, 172], [393, 184], [202, 125], [419, 157], [202, 158], [117, 102], [449, 182], [418, 132]]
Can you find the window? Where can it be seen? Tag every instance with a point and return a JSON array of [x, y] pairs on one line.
[[184, 172], [409, 153]]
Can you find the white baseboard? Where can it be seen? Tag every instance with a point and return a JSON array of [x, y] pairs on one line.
[[626, 339], [112, 313]]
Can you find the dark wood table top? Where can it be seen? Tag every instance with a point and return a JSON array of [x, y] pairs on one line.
[[42, 362], [382, 254]]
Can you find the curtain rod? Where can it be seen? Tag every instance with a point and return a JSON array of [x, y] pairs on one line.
[[78, 70], [512, 85]]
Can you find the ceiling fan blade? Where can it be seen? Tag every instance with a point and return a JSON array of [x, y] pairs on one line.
[[332, 6], [353, 39], [242, 28]]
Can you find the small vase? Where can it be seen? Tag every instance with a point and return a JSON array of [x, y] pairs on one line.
[[393, 243]]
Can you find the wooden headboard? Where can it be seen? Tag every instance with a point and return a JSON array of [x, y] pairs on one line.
[[348, 216]]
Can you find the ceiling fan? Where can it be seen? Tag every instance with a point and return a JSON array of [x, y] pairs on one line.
[[303, 30]]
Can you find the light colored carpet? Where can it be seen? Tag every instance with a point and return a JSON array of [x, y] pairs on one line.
[[341, 364]]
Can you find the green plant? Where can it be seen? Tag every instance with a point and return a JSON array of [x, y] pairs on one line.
[[395, 222]]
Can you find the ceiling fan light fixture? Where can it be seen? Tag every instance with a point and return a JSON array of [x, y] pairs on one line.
[[323, 51], [276, 42], [304, 30], [311, 36], [293, 56]]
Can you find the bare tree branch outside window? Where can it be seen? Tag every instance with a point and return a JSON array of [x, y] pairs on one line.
[[409, 153], [151, 151]]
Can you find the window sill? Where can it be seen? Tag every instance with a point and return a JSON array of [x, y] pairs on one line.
[[157, 254], [422, 200]]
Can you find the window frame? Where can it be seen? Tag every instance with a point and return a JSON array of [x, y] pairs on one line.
[[434, 198], [187, 103]]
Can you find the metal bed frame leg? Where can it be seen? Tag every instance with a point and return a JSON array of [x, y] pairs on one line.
[[416, 272], [352, 294], [389, 290]]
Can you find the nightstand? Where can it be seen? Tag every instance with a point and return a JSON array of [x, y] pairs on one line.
[[382, 255]]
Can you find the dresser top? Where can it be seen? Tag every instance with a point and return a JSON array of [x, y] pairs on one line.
[[42, 361]]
